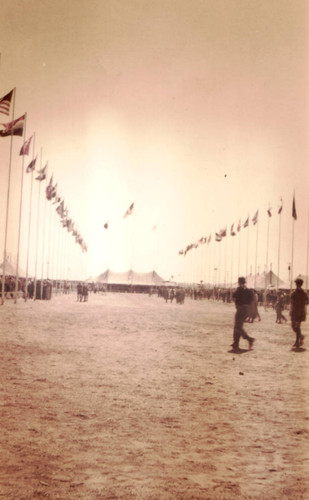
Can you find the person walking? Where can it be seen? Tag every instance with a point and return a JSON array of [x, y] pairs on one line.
[[299, 300], [242, 297]]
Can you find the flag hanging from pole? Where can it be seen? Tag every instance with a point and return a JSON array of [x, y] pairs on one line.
[[246, 223], [16, 127], [5, 103], [129, 211], [294, 214], [25, 147], [218, 237], [31, 166], [269, 212], [239, 226], [232, 230], [255, 218], [42, 174], [281, 207]]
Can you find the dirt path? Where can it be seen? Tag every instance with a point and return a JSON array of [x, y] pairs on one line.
[[132, 398]]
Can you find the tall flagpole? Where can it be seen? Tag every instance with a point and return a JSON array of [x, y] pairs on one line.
[[37, 234], [307, 252], [256, 252], [267, 246], [7, 205], [44, 231], [247, 257], [20, 214], [279, 244], [29, 222], [294, 217]]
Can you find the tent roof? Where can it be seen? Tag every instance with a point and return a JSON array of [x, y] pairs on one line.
[[130, 277], [10, 269], [262, 281]]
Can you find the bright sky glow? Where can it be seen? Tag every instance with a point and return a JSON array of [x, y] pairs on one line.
[[195, 111]]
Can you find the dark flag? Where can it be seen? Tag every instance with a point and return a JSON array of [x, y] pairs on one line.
[[294, 214], [232, 230], [246, 223], [218, 237], [25, 147], [239, 226], [106, 225], [281, 207], [223, 232], [181, 252], [269, 212], [255, 218], [5, 103], [42, 174], [129, 211], [31, 166]]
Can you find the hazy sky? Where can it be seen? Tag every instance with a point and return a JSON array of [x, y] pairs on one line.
[[197, 111]]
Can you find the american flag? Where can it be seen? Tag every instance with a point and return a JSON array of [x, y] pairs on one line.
[[5, 103], [16, 127]]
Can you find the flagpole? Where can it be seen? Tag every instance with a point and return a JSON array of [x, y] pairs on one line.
[[307, 252], [37, 234], [133, 246], [279, 244], [232, 256], [267, 245], [292, 256], [239, 246], [7, 204], [256, 252], [44, 231], [20, 214], [29, 220], [247, 257], [49, 242]]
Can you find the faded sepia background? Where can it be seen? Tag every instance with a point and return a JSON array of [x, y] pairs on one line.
[[196, 111]]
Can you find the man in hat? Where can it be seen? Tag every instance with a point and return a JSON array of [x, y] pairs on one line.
[[243, 297], [299, 299]]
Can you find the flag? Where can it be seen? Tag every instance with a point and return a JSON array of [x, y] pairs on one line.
[[106, 225], [16, 127], [223, 232], [129, 211], [31, 166], [25, 147], [50, 189], [239, 226], [294, 214], [5, 103], [218, 237], [180, 252], [255, 218], [42, 174], [232, 230], [269, 212], [246, 223], [281, 207], [209, 239], [60, 209]]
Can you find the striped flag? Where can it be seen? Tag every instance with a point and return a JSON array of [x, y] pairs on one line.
[[42, 174], [5, 103], [16, 127]]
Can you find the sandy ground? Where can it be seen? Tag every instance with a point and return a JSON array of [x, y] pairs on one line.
[[128, 397]]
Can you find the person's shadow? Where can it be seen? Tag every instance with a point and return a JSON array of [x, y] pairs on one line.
[[298, 349], [239, 351]]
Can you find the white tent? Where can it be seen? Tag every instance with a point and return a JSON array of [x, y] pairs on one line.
[[262, 281], [10, 270], [130, 278]]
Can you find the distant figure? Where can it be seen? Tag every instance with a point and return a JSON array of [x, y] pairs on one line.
[[253, 308], [79, 292], [242, 298], [279, 307], [85, 293], [299, 300]]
